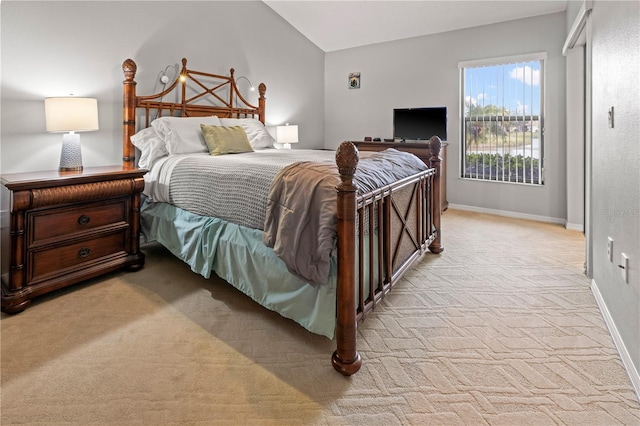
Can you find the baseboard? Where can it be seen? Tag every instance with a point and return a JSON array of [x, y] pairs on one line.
[[507, 213], [575, 226], [617, 340]]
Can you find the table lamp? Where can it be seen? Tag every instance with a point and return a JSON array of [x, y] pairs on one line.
[[71, 115], [286, 135]]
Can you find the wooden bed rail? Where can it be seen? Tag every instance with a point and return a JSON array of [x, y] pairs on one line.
[[210, 94], [419, 222]]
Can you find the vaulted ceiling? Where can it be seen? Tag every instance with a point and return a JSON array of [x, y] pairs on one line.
[[337, 25]]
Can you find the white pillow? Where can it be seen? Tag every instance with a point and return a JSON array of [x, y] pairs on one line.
[[151, 147], [182, 135], [258, 135]]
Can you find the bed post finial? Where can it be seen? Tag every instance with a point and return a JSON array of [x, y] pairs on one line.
[[346, 359], [183, 73], [435, 144], [347, 158], [129, 69]]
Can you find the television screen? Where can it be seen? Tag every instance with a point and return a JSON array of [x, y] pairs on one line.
[[420, 123]]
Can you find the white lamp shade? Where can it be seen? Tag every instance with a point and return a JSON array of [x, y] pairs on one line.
[[71, 114], [287, 134]]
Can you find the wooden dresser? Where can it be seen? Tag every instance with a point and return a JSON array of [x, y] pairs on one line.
[[420, 150], [60, 228]]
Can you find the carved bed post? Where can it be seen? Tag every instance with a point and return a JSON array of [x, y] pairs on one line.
[[129, 68], [262, 89], [183, 83], [233, 91], [436, 203], [138, 185], [346, 358]]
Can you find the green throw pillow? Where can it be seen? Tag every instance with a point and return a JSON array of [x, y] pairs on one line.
[[226, 140]]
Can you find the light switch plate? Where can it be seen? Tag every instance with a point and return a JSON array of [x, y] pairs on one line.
[[624, 267]]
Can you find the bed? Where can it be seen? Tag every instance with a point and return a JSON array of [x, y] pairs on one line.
[[368, 216]]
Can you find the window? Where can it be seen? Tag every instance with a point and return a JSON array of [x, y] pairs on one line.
[[502, 119]]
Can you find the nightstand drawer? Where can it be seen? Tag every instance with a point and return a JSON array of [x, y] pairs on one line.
[[53, 223], [60, 260]]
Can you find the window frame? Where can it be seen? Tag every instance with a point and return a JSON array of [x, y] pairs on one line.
[[541, 58]]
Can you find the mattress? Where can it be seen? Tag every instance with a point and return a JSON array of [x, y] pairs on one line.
[[231, 187]]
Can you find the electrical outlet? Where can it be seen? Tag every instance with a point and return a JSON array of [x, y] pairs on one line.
[[624, 267], [610, 249]]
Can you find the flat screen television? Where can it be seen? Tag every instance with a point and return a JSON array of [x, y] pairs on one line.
[[413, 124]]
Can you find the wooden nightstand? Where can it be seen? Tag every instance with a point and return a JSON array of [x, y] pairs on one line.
[[60, 228]]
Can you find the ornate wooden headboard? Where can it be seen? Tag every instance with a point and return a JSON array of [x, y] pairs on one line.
[[197, 94]]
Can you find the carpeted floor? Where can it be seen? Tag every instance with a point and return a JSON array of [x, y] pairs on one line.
[[500, 329]]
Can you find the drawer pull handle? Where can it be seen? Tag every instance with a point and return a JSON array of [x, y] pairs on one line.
[[84, 252], [84, 219]]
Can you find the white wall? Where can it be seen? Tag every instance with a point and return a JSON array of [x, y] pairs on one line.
[[575, 125], [423, 71], [58, 48], [575, 138], [616, 164]]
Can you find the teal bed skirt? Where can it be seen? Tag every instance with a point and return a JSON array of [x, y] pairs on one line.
[[237, 254]]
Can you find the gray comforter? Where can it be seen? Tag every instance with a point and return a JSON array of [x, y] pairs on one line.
[[300, 221], [232, 187]]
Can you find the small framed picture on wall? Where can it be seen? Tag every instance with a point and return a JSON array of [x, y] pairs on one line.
[[354, 80]]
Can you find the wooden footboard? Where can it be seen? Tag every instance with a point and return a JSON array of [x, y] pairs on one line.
[[380, 234]]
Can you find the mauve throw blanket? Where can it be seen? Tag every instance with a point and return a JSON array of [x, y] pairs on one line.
[[301, 216]]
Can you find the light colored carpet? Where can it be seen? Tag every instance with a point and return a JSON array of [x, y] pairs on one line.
[[500, 329]]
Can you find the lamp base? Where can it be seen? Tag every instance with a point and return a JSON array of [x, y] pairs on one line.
[[71, 155], [286, 146], [70, 169]]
